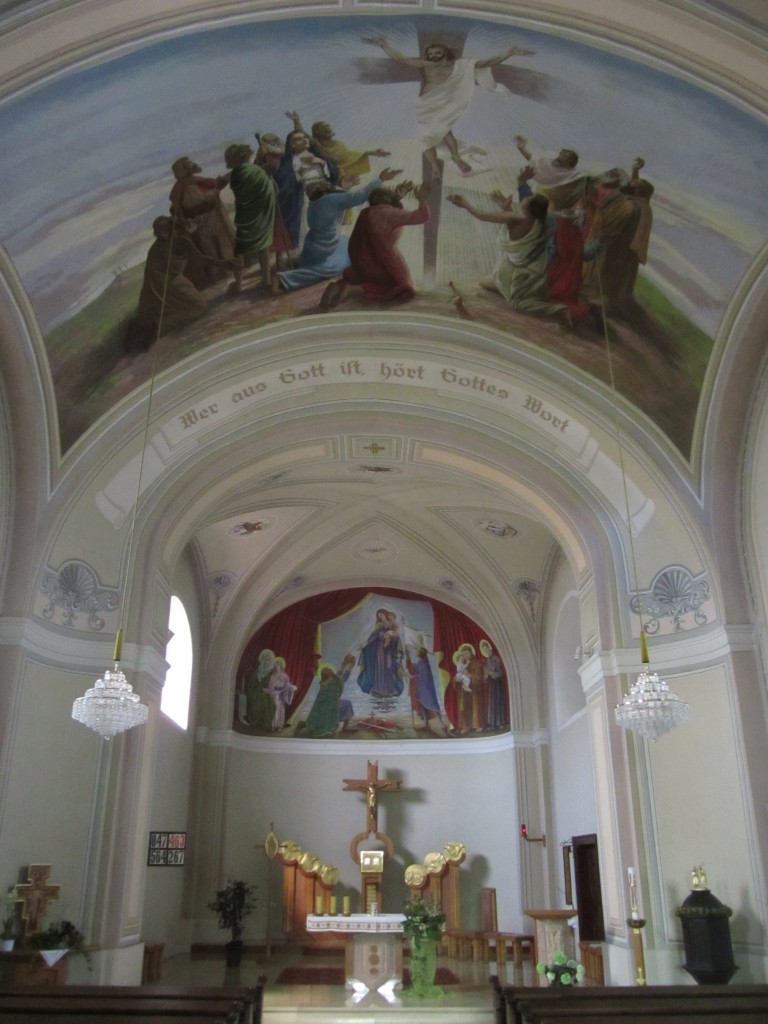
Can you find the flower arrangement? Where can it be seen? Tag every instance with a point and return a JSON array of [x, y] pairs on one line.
[[562, 971], [60, 935], [422, 920]]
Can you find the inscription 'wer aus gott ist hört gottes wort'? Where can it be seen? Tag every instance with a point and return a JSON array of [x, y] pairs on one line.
[[385, 371]]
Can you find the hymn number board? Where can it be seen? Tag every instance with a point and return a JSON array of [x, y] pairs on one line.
[[167, 849]]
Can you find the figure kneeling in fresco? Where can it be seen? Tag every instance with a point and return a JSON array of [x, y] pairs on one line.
[[376, 264], [520, 274], [330, 708], [324, 253]]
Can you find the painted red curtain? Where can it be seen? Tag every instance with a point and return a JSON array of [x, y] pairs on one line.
[[292, 632]]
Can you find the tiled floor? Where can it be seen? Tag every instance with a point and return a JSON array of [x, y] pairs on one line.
[[471, 1002]]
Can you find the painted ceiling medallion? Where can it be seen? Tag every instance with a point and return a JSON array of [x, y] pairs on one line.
[[294, 583], [376, 551], [450, 585], [374, 447], [497, 527], [249, 526], [375, 470]]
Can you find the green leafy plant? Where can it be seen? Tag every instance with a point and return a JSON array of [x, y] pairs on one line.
[[562, 971], [60, 935], [423, 920], [233, 904]]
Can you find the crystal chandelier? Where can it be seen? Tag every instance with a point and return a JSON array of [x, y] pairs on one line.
[[650, 708], [110, 706]]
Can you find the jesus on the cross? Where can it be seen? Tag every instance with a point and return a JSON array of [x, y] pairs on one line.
[[447, 86]]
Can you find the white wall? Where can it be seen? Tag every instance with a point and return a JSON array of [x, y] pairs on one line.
[[444, 798], [573, 801]]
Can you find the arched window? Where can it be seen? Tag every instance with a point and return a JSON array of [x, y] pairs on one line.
[[178, 654]]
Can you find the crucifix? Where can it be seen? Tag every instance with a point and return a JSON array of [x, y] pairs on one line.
[[396, 67], [372, 862], [372, 784], [34, 895]]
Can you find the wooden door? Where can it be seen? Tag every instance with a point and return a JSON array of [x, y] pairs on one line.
[[589, 896]]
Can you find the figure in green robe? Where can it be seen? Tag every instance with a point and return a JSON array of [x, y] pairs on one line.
[[329, 708], [254, 193]]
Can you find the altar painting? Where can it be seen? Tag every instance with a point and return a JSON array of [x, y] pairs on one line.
[[360, 664], [647, 217]]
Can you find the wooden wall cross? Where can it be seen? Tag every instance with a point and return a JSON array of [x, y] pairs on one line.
[[34, 895], [372, 784]]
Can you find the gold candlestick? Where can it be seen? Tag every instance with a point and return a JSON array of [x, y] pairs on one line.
[[637, 924]]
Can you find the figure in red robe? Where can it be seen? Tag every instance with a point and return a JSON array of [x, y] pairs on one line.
[[377, 266], [564, 272]]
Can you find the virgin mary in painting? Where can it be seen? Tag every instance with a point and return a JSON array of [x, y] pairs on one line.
[[382, 658]]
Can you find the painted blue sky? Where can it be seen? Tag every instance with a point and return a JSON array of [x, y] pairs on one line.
[[86, 158]]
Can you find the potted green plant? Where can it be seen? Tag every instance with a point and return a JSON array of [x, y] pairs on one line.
[[423, 927], [562, 971], [61, 935], [233, 904]]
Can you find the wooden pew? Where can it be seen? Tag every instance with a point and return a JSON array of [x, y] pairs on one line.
[[44, 1015], [700, 1016], [534, 1005], [647, 1011], [107, 1006], [239, 1003], [499, 1002]]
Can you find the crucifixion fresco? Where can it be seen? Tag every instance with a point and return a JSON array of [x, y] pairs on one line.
[[534, 186]]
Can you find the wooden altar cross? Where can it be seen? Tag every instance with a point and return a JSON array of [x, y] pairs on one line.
[[34, 895], [372, 784]]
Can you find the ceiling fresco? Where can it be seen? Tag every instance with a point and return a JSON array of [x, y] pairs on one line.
[[658, 220]]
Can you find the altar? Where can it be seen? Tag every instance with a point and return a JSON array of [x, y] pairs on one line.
[[373, 958]]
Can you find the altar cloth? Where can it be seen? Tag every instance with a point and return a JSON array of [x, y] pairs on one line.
[[373, 960]]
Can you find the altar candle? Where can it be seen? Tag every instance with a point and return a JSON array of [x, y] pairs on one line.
[[319, 906], [632, 894], [345, 905], [334, 909]]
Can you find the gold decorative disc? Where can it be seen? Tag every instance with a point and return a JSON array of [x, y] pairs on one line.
[[329, 875], [455, 852], [434, 863], [415, 876], [290, 851], [309, 862]]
